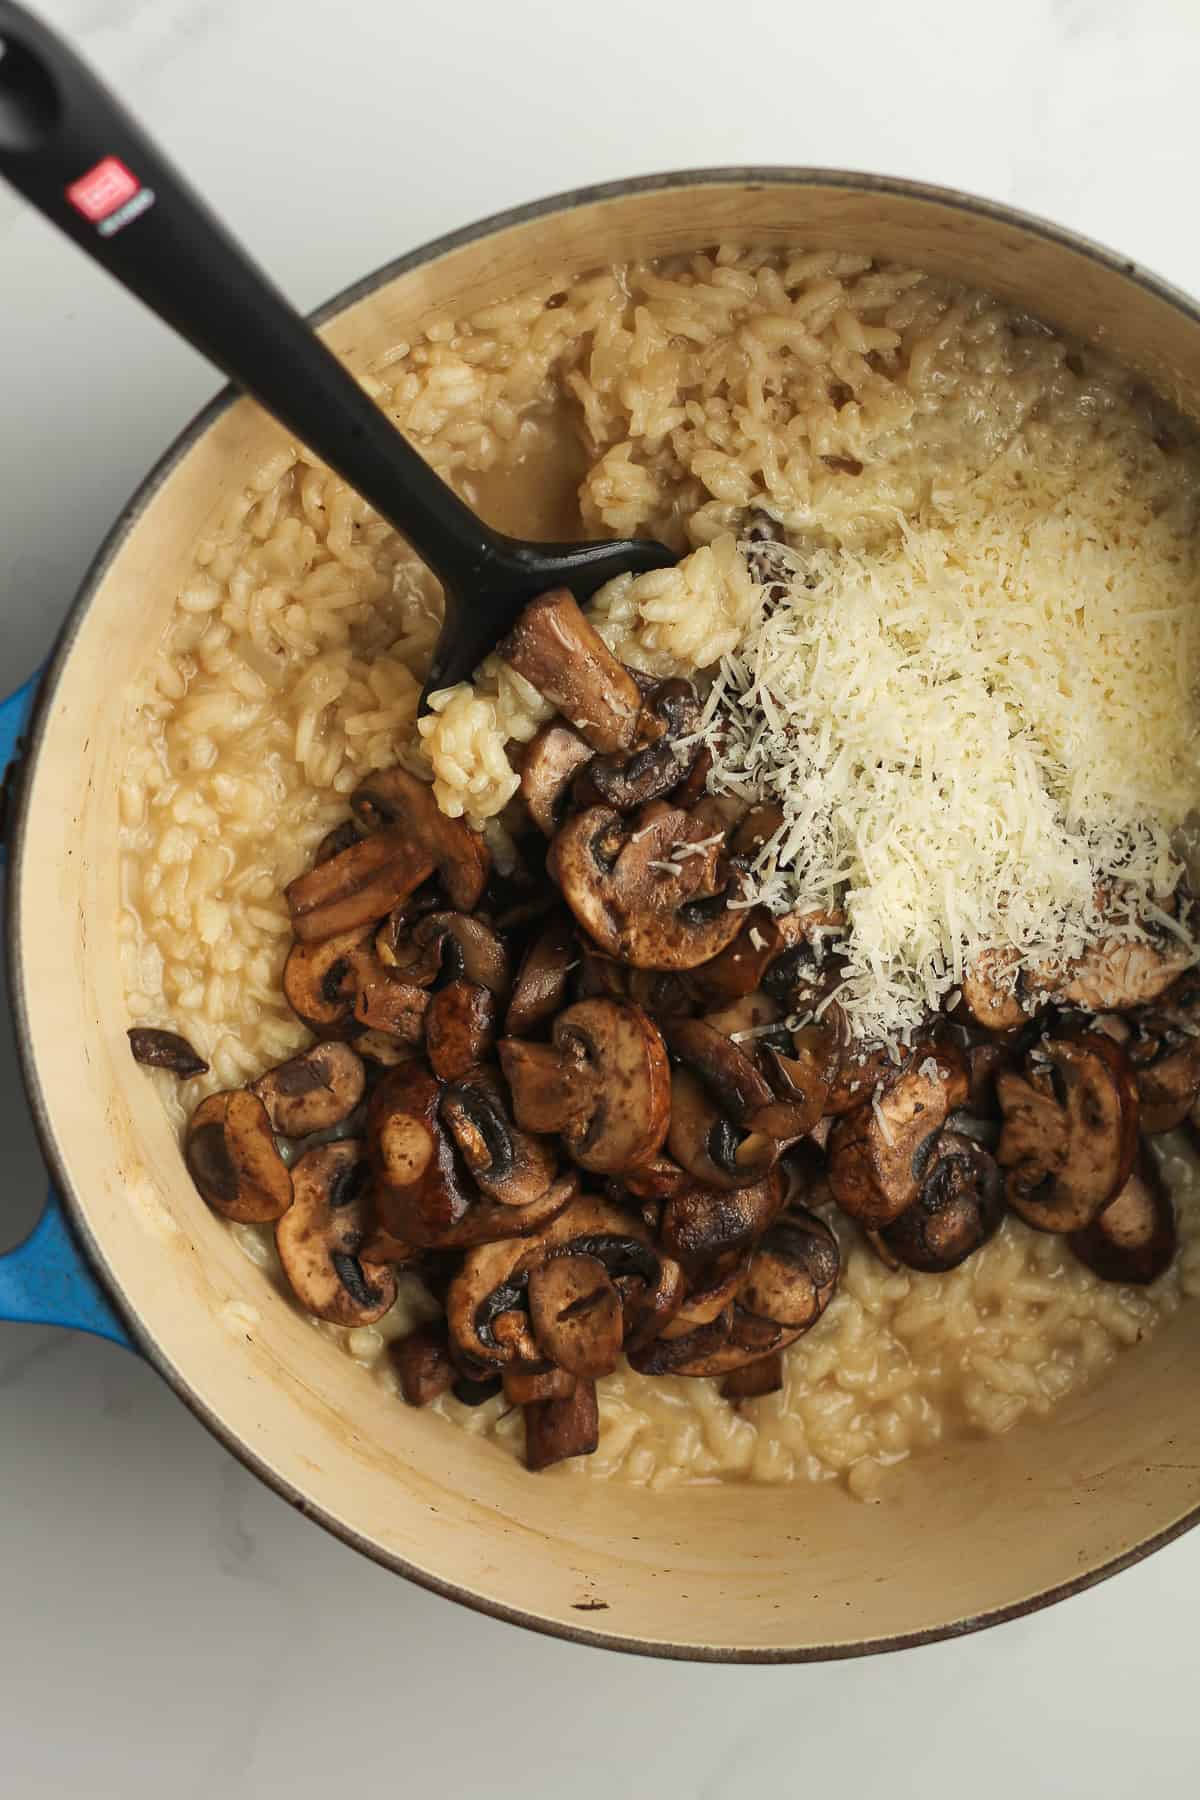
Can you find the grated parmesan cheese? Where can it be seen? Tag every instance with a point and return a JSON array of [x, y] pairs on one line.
[[977, 732]]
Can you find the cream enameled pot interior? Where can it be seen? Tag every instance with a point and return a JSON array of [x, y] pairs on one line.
[[985, 1527]]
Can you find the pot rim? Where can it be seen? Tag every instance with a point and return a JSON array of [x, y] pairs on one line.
[[755, 175]]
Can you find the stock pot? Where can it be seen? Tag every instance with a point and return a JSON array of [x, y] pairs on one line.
[[971, 1533]]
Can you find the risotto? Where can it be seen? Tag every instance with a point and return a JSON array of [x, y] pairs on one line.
[[898, 433]]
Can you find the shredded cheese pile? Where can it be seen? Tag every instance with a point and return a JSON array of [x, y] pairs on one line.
[[978, 734]]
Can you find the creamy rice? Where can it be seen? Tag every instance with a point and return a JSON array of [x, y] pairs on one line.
[[683, 395]]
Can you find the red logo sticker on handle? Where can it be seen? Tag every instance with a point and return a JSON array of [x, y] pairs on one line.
[[103, 189], [109, 196]]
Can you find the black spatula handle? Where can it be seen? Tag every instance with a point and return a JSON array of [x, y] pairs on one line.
[[73, 151]]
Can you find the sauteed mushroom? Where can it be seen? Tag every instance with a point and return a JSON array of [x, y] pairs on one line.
[[444, 946], [711, 1146], [420, 1193], [700, 1224], [560, 654], [576, 1315], [540, 988], [165, 1050], [312, 1091], [357, 885], [1164, 1048], [959, 1207], [422, 1361], [629, 781], [1115, 976], [651, 887], [232, 1158], [603, 1084], [387, 1004], [552, 759], [321, 981], [1070, 1130], [991, 991], [395, 800], [320, 1238], [460, 1028], [1133, 1239], [507, 1165], [875, 1152], [754, 1379], [558, 1429]]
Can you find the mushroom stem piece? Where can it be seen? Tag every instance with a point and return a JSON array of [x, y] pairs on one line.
[[560, 654]]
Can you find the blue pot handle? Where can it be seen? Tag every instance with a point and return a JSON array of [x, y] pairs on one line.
[[45, 1280]]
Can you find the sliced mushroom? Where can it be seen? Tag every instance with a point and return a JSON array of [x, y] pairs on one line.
[[657, 1179], [493, 1279], [399, 802], [1164, 1047], [793, 1271], [382, 1050], [558, 1429], [805, 1078], [313, 1091], [710, 1146], [576, 1315], [652, 888], [709, 1296], [959, 1207], [540, 989], [864, 1065], [334, 842], [603, 1084], [527, 1387], [754, 1379], [357, 886], [507, 1165], [165, 1050], [419, 1192], [875, 1152], [444, 946], [321, 981], [560, 654], [627, 781], [422, 1361], [552, 759], [232, 1157], [460, 1028], [1134, 1238], [1070, 1130], [991, 991], [735, 1082], [320, 1237], [388, 1004], [701, 1224], [1114, 976]]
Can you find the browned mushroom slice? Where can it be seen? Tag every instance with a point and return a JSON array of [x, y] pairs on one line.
[[313, 1091], [959, 1207], [863, 1066], [558, 1429], [991, 991], [357, 886], [460, 1028], [754, 1379], [603, 1085], [419, 1193], [874, 1152], [793, 1272], [320, 1238], [1134, 1239], [882, 1249], [321, 981], [657, 1179], [382, 1049], [1164, 1047], [702, 1223], [165, 1050], [560, 654], [526, 1387], [397, 1008], [334, 842], [576, 1315], [710, 1146], [489, 1221], [507, 1165], [397, 801], [984, 1063], [738, 1086], [552, 759], [231, 1156], [1114, 976], [446, 945], [709, 1295], [651, 888], [422, 1362], [1070, 1130], [540, 989], [492, 1282], [630, 781], [705, 1351], [804, 1078]]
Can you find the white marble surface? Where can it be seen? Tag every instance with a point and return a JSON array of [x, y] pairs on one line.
[[169, 1626]]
